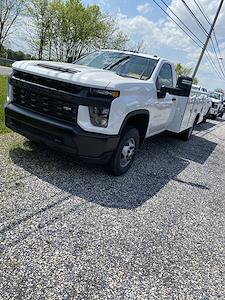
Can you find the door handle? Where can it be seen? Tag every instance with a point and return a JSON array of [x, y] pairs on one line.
[[174, 99]]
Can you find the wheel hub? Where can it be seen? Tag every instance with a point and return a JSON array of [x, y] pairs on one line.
[[127, 153]]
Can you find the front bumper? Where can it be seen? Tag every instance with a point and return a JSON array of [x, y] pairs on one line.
[[61, 135]]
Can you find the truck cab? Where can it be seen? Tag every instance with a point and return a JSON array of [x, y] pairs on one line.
[[102, 107]]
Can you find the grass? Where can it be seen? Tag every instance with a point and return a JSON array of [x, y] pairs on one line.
[[3, 64], [3, 95]]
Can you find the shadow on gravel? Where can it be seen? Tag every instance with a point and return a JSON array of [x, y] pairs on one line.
[[205, 126], [209, 125], [159, 161]]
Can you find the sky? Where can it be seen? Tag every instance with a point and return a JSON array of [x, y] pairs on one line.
[[145, 21]]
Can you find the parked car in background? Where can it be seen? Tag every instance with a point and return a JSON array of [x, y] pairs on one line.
[[102, 107], [217, 109], [206, 102]]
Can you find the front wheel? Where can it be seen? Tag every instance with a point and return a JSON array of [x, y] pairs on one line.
[[123, 156]]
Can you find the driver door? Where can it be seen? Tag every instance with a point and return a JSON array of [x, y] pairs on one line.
[[164, 104]]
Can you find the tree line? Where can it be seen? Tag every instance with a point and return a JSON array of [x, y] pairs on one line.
[[64, 29]]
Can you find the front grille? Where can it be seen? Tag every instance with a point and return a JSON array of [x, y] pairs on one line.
[[60, 106], [47, 105]]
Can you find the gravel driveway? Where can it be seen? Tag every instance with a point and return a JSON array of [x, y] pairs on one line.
[[70, 231]]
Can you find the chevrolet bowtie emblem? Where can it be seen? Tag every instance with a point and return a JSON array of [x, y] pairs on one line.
[[67, 108]]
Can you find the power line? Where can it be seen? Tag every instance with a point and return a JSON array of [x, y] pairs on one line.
[[177, 24], [167, 6], [197, 2], [213, 47], [209, 58], [208, 37], [202, 11], [195, 18], [206, 33], [218, 60], [208, 55]]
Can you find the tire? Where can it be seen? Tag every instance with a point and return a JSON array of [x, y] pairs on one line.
[[129, 144], [186, 134], [204, 119]]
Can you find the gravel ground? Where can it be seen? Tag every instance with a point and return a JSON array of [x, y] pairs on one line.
[[70, 231]]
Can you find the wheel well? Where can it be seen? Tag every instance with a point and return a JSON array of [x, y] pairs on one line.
[[140, 122]]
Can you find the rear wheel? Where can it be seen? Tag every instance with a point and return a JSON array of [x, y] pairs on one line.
[[204, 119], [186, 134], [123, 156]]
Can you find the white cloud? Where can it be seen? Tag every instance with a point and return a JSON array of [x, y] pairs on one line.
[[144, 8]]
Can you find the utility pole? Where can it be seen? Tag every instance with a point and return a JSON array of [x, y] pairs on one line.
[[208, 38]]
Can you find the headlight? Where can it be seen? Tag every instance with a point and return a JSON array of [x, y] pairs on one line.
[[99, 116], [104, 93]]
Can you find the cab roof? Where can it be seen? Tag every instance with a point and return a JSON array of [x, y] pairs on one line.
[[134, 53]]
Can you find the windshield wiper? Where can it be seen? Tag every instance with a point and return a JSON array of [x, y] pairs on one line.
[[125, 75], [110, 66]]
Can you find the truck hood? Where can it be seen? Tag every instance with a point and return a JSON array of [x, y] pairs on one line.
[[78, 74]]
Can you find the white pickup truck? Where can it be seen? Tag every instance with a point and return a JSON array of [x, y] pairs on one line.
[[217, 109], [102, 107]]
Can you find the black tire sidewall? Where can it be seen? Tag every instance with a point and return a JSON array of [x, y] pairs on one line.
[[115, 168], [185, 135]]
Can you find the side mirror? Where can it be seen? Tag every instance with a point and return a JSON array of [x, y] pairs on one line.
[[182, 89], [184, 84]]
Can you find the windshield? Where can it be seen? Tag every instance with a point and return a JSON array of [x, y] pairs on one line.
[[123, 64], [215, 96]]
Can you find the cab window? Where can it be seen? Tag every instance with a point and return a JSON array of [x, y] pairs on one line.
[[165, 77]]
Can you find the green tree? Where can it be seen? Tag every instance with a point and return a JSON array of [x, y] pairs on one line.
[[68, 28], [39, 11], [112, 37], [182, 70], [10, 10]]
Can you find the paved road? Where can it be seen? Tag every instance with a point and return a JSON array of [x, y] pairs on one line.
[[5, 70], [70, 231]]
